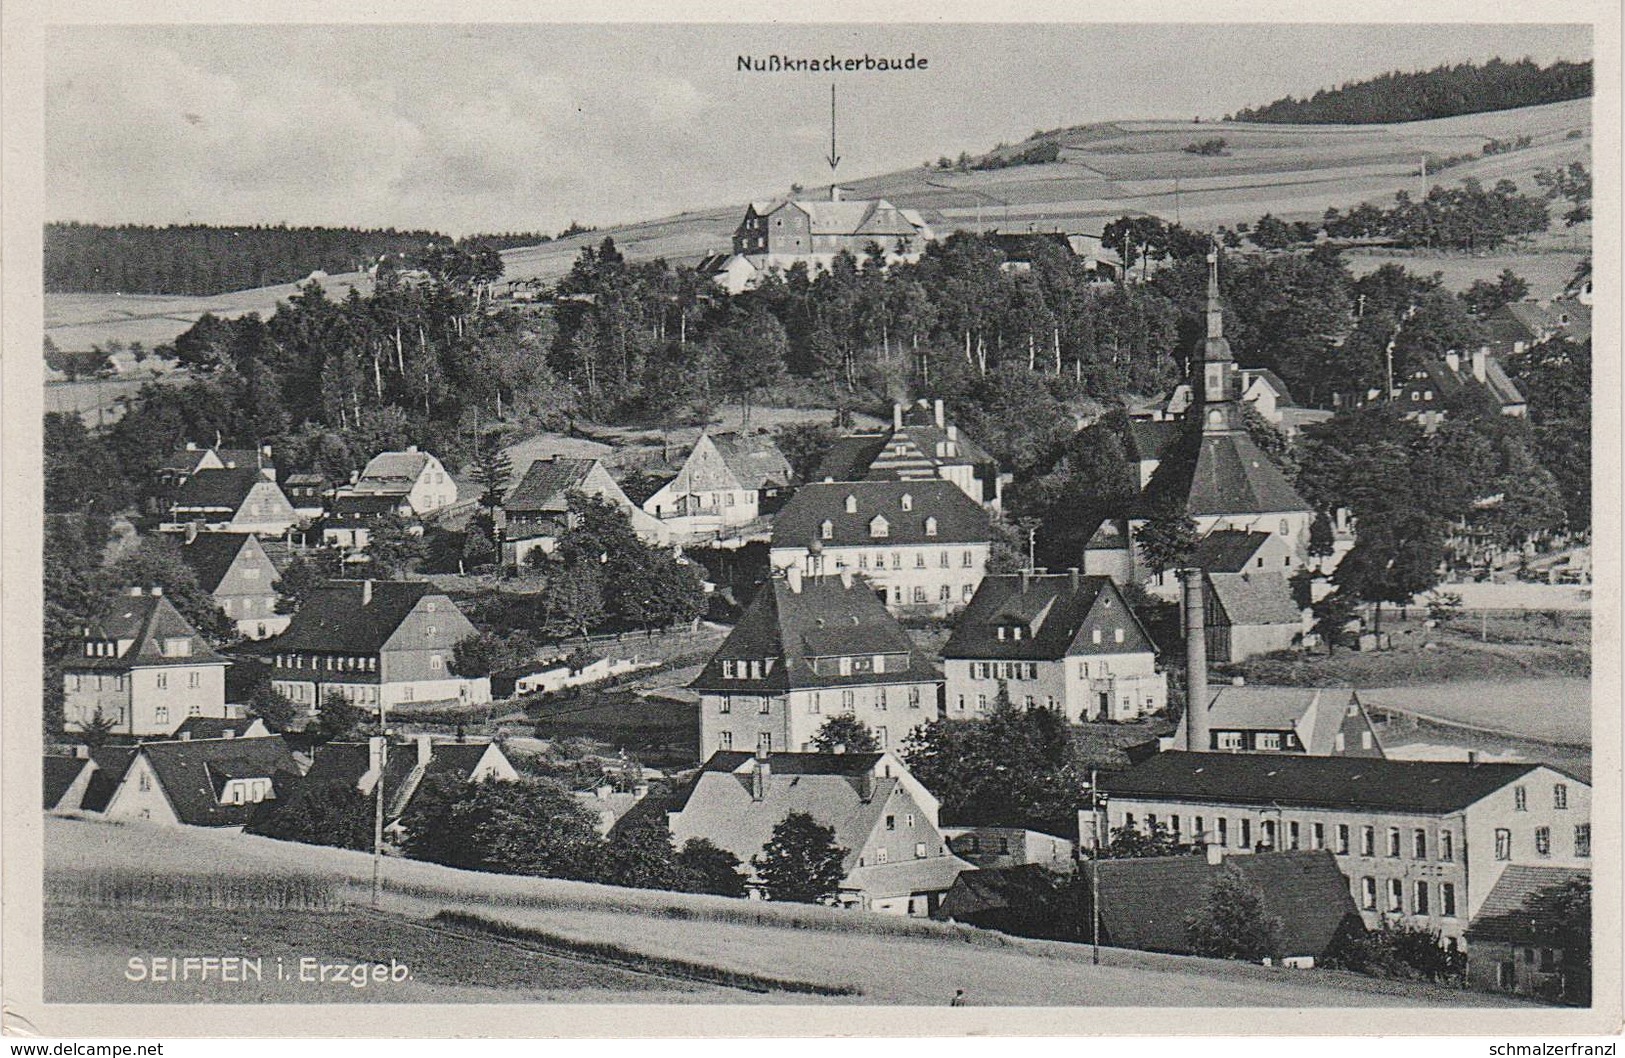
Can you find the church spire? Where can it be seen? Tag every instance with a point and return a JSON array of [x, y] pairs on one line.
[[1218, 366]]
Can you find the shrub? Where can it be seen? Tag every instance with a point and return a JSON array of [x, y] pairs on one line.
[[1208, 147]]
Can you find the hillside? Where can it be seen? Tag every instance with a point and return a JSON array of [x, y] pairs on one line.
[[1103, 171]]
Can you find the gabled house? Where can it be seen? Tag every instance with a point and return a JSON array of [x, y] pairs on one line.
[[111, 762], [923, 545], [142, 665], [727, 480], [805, 650], [183, 462], [413, 475], [237, 573], [1264, 390], [217, 727], [1250, 613], [920, 445], [404, 767], [896, 862], [1521, 937], [66, 780], [1421, 843], [535, 513], [995, 847], [353, 517], [1320, 721], [1423, 395], [203, 782], [1518, 325], [309, 493], [1062, 641], [230, 499], [778, 235], [374, 643]]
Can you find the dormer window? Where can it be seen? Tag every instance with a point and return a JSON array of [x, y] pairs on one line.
[[879, 527], [827, 530], [908, 502], [851, 505], [177, 647], [930, 527]]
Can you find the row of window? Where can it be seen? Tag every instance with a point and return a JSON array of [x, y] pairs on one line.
[[967, 559], [1421, 897], [1543, 841], [1004, 670], [883, 698], [883, 854], [160, 714], [1560, 797], [329, 662], [764, 740], [747, 669]]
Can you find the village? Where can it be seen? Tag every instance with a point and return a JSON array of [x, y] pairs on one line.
[[1048, 585]]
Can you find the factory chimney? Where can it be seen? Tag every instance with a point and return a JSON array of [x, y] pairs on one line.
[[1197, 738]]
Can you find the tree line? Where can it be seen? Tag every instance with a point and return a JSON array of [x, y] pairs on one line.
[[1444, 91]]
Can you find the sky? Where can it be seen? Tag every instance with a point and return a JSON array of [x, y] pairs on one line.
[[487, 128]]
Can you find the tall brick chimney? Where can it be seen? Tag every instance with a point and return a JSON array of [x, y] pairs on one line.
[[1197, 737]]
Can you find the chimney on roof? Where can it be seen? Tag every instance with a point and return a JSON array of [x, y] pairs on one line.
[[81, 751], [1197, 738], [134, 592], [953, 432], [191, 532], [1026, 580], [411, 448], [1472, 757], [366, 592], [191, 446], [937, 408], [866, 786], [1452, 360], [761, 771], [229, 732], [157, 591], [1480, 367], [1072, 577], [186, 736], [425, 750], [896, 416]]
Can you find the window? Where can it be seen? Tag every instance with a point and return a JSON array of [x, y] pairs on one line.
[[908, 502], [1224, 832], [195, 709], [880, 698], [827, 530], [163, 680], [1393, 842], [1447, 899], [879, 527], [1292, 835], [1368, 893], [944, 560], [1419, 844], [891, 822], [1446, 849], [764, 742], [725, 741], [1582, 839], [919, 593], [919, 850], [1520, 799], [851, 504], [434, 662], [1269, 740], [725, 704], [1094, 636], [961, 703], [881, 854], [1368, 841], [1503, 844], [1419, 899], [766, 706], [914, 698], [1266, 834], [1246, 833], [946, 593], [931, 530], [981, 702], [1317, 835], [970, 589], [1560, 796], [1117, 635], [848, 700], [161, 714], [966, 560], [194, 679], [919, 560], [146, 781], [1230, 740], [1543, 841], [1396, 895]]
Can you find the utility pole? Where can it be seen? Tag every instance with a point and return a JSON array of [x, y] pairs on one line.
[[1424, 176], [378, 806], [1097, 802]]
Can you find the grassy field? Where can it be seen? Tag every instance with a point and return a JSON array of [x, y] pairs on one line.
[[885, 959], [1106, 170], [659, 733]]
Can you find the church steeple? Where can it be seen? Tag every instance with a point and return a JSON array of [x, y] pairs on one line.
[[1218, 366]]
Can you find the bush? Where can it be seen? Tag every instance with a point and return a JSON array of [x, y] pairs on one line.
[[1207, 148]]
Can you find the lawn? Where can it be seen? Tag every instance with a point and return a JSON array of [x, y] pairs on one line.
[[659, 733]]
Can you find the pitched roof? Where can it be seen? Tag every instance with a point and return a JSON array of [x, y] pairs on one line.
[[60, 773], [848, 458], [855, 217], [359, 505], [827, 617], [545, 483], [1024, 887], [1257, 597], [216, 727], [959, 519], [830, 787], [147, 621], [211, 554], [218, 488], [111, 764], [1228, 550], [1283, 396], [349, 763], [1516, 909], [754, 459], [1234, 476], [1145, 903], [193, 773], [1428, 787], [333, 618], [246, 457], [1314, 713], [184, 459], [1052, 609], [393, 468], [1149, 439]]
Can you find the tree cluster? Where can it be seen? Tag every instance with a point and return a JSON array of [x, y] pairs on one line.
[[1442, 92], [1465, 217]]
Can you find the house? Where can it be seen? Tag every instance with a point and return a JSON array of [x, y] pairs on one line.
[[1319, 721], [1264, 390], [309, 493], [1421, 842], [1251, 613], [1207, 467], [238, 575], [181, 463], [374, 643], [1063, 641], [1022, 248], [535, 513], [211, 782], [776, 236], [608, 806], [215, 727], [66, 780], [805, 650], [997, 847], [734, 273], [727, 480], [142, 665], [1146, 904], [404, 766], [111, 762], [230, 499], [1515, 327], [1520, 936], [1433, 382], [416, 476], [920, 445], [354, 516], [924, 544], [897, 861]]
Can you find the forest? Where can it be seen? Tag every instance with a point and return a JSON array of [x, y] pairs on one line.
[[1443, 92]]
